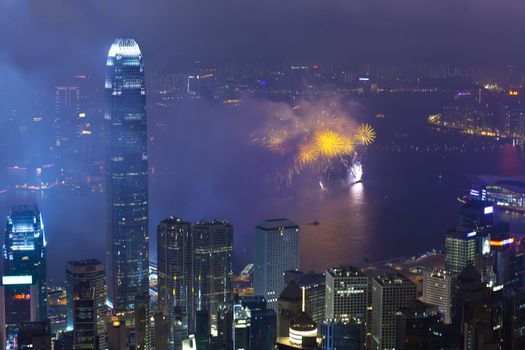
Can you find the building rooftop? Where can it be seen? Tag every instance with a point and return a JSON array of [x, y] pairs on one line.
[[346, 271], [173, 220], [124, 47], [389, 279], [276, 224], [512, 183], [84, 262]]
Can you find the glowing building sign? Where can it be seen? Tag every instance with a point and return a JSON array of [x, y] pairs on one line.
[[15, 280], [22, 296], [488, 210], [501, 243]]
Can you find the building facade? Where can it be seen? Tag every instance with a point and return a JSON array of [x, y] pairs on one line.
[[437, 290], [24, 284], [275, 250], [390, 293], [90, 272], [346, 294], [194, 272], [126, 168]]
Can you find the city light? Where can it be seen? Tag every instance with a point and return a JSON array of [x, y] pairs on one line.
[[17, 280]]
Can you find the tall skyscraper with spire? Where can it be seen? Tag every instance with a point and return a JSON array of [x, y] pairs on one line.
[[126, 176]]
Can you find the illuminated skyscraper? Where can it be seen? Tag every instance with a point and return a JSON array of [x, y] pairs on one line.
[[346, 294], [126, 165], [275, 251], [174, 268], [195, 272], [212, 266], [24, 291]]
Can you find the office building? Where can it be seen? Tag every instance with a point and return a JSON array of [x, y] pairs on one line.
[[174, 269], [418, 326], [85, 317], [275, 250], [195, 273], [67, 110], [63, 341], [160, 328], [437, 290], [290, 305], [390, 293], [341, 335], [461, 249], [126, 168], [24, 286], [88, 271], [118, 333], [313, 285], [212, 243], [509, 262], [471, 308], [34, 336], [263, 322], [346, 294]]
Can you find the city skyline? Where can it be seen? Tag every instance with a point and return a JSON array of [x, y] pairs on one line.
[[269, 176]]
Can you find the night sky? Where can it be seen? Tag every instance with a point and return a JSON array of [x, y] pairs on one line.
[[57, 38], [45, 43]]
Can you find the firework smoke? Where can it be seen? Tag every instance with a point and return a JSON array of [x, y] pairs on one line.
[[321, 136], [355, 172]]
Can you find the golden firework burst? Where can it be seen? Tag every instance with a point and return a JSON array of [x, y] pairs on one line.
[[365, 134]]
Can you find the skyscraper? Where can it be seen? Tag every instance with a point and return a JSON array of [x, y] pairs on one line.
[[212, 266], [35, 336], [346, 294], [437, 290], [390, 293], [195, 272], [24, 283], [85, 317], [67, 110], [91, 272], [275, 250], [341, 335], [254, 326], [174, 268], [126, 176]]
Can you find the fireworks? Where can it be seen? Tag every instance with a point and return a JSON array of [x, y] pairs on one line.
[[355, 172], [320, 136], [365, 134], [325, 144]]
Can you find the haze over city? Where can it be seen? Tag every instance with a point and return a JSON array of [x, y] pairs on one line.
[[298, 174]]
